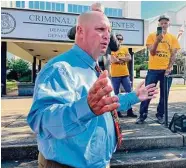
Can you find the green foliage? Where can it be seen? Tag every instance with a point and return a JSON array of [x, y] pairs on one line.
[[20, 66], [140, 61], [25, 79], [11, 85], [140, 57], [18, 69]]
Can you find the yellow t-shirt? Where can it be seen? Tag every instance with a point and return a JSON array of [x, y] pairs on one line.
[[162, 57], [119, 69]]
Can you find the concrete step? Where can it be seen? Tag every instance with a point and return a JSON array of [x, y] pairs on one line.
[[149, 135], [19, 142], [20, 164], [30, 151], [161, 158]]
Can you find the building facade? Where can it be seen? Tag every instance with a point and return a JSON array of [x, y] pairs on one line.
[[112, 8], [39, 32]]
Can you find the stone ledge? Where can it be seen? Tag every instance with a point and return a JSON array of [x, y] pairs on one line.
[[25, 89]]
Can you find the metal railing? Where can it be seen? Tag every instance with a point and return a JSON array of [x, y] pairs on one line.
[[166, 79]]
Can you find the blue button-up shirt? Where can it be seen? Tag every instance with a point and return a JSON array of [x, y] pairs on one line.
[[67, 130]]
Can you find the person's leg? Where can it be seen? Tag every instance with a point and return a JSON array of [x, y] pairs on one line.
[[125, 81], [116, 84], [116, 81], [41, 161], [160, 108], [152, 77]]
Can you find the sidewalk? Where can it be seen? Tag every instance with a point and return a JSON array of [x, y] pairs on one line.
[[18, 141]]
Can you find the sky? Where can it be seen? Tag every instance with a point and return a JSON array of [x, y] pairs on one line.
[[150, 9]]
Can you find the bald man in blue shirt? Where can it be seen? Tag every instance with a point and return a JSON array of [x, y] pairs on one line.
[[71, 105]]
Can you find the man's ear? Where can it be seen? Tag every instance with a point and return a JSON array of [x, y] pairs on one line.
[[79, 30]]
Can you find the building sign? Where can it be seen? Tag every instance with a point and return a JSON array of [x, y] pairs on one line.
[[50, 26]]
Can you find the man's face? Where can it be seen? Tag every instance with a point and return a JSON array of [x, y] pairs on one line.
[[164, 23], [97, 36]]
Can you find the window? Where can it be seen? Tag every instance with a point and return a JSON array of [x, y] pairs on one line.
[[36, 6], [31, 4], [48, 5], [120, 13], [74, 8], [69, 8], [58, 7], [113, 12], [78, 8], [106, 11], [53, 6], [20, 4], [42, 5], [86, 8], [62, 7], [110, 12], [23, 4]]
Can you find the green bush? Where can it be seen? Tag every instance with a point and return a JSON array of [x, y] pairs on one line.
[[25, 79], [11, 85], [140, 67], [144, 66]]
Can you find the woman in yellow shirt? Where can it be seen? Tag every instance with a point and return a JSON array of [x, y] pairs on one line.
[[119, 72]]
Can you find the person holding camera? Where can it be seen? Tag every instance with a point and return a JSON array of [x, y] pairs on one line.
[[163, 47]]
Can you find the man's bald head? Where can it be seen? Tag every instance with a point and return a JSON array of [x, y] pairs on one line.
[[93, 33]]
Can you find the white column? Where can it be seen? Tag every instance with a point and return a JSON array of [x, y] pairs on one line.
[[66, 6], [26, 4]]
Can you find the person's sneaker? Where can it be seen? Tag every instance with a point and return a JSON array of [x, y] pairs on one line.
[[140, 120], [161, 120], [131, 115], [120, 115]]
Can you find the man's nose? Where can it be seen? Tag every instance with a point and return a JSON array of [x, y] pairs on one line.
[[106, 35]]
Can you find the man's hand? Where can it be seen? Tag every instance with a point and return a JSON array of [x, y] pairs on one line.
[[168, 71], [98, 96], [146, 92], [114, 59], [159, 38]]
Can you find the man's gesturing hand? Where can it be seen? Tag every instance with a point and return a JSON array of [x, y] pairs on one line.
[[146, 92], [98, 96]]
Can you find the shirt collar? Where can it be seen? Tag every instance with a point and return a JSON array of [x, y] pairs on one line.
[[84, 56]]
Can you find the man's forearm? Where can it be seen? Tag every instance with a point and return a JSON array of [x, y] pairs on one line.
[[153, 48], [172, 59], [125, 59], [127, 100]]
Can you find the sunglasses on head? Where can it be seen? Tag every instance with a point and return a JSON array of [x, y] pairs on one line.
[[121, 39]]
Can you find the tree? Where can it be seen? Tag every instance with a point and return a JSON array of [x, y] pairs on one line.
[[140, 61], [18, 67], [180, 62]]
